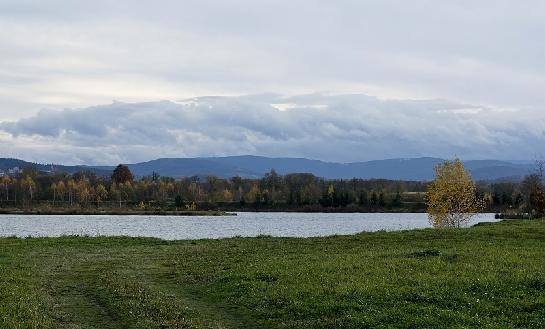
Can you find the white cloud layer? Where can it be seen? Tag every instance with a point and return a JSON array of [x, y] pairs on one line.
[[329, 127], [62, 53]]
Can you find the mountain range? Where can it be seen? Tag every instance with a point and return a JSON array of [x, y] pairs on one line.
[[416, 169]]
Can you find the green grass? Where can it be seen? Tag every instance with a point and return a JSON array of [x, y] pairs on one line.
[[490, 276]]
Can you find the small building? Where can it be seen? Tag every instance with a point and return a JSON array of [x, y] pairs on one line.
[[15, 171]]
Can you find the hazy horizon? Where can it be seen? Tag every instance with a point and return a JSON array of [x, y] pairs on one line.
[[525, 161]]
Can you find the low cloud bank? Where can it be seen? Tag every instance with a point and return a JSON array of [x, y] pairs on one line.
[[329, 127]]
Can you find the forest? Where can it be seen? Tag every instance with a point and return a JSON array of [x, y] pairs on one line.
[[273, 192]]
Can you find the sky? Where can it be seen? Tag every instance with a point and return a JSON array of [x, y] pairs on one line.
[[101, 82]]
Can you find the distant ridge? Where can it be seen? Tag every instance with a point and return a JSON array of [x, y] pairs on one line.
[[10, 163], [416, 169]]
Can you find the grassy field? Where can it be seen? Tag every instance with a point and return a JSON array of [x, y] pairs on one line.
[[490, 276]]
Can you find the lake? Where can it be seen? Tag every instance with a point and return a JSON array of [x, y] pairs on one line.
[[245, 224]]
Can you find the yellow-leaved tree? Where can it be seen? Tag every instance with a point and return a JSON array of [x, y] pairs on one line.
[[452, 199]]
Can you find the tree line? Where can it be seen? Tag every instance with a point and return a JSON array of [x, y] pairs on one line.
[[297, 191]]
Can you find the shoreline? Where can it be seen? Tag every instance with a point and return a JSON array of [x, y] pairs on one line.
[[116, 213]]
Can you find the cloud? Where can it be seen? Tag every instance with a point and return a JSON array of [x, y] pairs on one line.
[[320, 126], [59, 53]]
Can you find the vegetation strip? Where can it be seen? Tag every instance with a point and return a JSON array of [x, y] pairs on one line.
[[9, 211]]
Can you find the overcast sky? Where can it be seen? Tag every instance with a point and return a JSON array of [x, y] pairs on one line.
[[434, 78]]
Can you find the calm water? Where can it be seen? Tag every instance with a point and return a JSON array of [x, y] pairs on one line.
[[201, 227]]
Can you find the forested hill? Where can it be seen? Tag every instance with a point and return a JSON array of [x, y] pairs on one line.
[[7, 164], [257, 166]]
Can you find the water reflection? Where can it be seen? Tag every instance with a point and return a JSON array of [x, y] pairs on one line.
[[203, 227]]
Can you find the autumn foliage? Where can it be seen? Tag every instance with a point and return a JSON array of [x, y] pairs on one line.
[[452, 199]]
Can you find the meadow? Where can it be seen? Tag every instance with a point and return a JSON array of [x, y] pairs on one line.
[[487, 276]]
